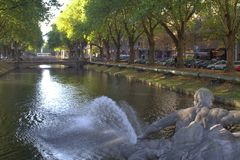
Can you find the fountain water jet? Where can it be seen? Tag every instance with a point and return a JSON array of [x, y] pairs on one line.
[[107, 114], [93, 134]]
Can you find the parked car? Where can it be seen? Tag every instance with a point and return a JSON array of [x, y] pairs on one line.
[[169, 62], [198, 63], [161, 62], [204, 64], [141, 61], [189, 63], [221, 66], [124, 58], [237, 63], [237, 68], [218, 65]]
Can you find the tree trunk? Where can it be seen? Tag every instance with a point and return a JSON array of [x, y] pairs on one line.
[[91, 52], [131, 49], [82, 44], [5, 51], [150, 36], [71, 54], [151, 53], [230, 52], [82, 52], [101, 52], [107, 48], [180, 51], [118, 52]]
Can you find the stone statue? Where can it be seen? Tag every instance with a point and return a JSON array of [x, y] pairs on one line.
[[182, 118], [199, 135], [210, 117]]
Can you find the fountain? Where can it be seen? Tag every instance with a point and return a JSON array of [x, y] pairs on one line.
[[95, 133], [107, 114]]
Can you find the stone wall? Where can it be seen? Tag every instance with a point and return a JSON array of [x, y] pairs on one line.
[[5, 68]]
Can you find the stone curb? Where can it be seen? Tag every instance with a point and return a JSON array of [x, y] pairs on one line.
[[175, 72], [8, 69]]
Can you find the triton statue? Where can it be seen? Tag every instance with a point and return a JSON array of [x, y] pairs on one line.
[[199, 134]]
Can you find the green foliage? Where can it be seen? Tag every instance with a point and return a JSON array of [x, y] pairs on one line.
[[19, 21], [175, 17], [54, 38], [228, 12], [71, 21], [114, 21], [57, 40]]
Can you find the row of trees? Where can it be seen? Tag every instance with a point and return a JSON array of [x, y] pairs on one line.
[[105, 23], [20, 24]]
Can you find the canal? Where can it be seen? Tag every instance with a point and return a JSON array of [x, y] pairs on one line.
[[49, 113]]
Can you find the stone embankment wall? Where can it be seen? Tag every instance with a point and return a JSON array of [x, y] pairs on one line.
[[5, 68], [195, 73]]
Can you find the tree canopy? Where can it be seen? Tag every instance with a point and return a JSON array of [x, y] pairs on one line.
[[109, 24], [20, 22]]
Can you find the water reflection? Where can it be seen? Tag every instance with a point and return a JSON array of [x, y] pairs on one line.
[[51, 93], [56, 96], [43, 66]]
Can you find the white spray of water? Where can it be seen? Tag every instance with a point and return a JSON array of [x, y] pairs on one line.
[[108, 114], [132, 116], [94, 132]]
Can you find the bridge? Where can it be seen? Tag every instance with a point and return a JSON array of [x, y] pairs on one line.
[[27, 63]]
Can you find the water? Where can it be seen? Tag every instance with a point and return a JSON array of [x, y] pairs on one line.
[[63, 114]]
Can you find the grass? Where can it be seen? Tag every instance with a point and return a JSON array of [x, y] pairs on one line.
[[188, 85]]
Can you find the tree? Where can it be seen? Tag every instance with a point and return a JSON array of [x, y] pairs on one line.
[[104, 14], [132, 25], [228, 11], [146, 12], [116, 33], [72, 22], [98, 31], [54, 38], [174, 16], [19, 21]]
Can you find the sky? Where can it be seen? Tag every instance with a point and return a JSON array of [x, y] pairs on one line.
[[46, 26]]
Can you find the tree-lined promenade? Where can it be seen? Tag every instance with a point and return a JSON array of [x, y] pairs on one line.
[[105, 25]]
